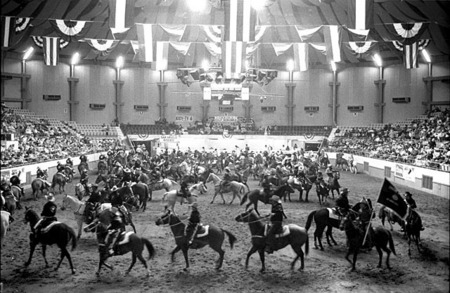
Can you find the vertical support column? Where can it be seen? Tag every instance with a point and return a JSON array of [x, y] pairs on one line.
[[118, 84], [205, 103], [246, 104], [290, 86], [162, 86], [429, 89], [334, 105], [381, 104], [72, 96]]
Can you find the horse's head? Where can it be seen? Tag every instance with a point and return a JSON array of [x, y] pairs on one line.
[[67, 202], [164, 219], [31, 217], [244, 217]]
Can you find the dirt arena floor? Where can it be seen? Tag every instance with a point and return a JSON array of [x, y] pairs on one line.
[[325, 271]]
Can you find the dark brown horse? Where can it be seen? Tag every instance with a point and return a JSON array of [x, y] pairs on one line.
[[60, 180], [297, 237], [59, 234], [256, 195], [127, 242], [214, 238], [413, 226], [381, 239], [38, 185]]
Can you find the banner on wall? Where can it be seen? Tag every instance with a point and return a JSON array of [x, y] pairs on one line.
[[222, 119], [399, 171]]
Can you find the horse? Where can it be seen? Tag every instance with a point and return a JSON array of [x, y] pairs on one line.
[[10, 204], [102, 167], [172, 196], [6, 219], [56, 233], [297, 237], [17, 192], [413, 226], [79, 209], [333, 183], [206, 235], [301, 183], [142, 191], [323, 191], [127, 196], [236, 187], [256, 195], [388, 214], [83, 166], [166, 184], [341, 163], [127, 242], [61, 180], [329, 218], [69, 172], [39, 185], [106, 216], [381, 238]]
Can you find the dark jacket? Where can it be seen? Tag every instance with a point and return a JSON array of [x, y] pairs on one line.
[[49, 209]]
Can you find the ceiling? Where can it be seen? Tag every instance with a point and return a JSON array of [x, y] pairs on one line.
[[282, 21]]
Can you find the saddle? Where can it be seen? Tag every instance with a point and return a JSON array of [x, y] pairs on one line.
[[124, 237], [202, 231], [283, 233]]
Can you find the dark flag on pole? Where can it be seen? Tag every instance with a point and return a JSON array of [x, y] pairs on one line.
[[390, 197]]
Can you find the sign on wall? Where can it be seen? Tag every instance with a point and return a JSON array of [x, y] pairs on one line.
[[184, 118]]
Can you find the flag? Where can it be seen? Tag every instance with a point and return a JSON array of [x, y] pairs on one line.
[[360, 14], [102, 47], [51, 50], [332, 43], [301, 56], [233, 59], [121, 15], [162, 56], [240, 21], [410, 53], [145, 38], [390, 197]]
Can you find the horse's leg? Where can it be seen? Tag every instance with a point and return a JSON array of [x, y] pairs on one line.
[[215, 194], [172, 254], [144, 262], [220, 260], [132, 224], [223, 199], [252, 250], [133, 261], [234, 196], [262, 258], [44, 250], [380, 256], [33, 244], [298, 250], [186, 258], [80, 227]]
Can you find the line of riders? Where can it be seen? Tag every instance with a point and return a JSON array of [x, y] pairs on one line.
[[159, 168]]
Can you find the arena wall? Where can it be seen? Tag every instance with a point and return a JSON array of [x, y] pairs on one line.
[[95, 85], [426, 180]]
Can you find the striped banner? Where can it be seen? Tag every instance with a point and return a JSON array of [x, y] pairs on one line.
[[240, 21], [8, 29], [121, 15], [162, 56], [145, 38], [410, 53], [233, 59], [51, 50], [360, 14], [301, 56], [332, 43]]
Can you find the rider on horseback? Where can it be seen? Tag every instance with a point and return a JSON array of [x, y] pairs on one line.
[[276, 218], [411, 205], [15, 181], [320, 180], [84, 178], [48, 215], [39, 173], [60, 167], [226, 178], [342, 204], [184, 190], [194, 222], [114, 230], [83, 158], [267, 186], [69, 162]]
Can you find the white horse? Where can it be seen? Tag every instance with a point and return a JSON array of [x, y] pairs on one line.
[[236, 187], [4, 225], [171, 197], [78, 207]]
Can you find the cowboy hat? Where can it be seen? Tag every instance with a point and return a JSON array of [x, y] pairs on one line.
[[50, 197], [408, 193]]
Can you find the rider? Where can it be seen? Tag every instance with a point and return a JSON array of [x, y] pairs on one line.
[[267, 186], [84, 178], [194, 222], [342, 204], [60, 167], [156, 175], [48, 214], [117, 202], [184, 190], [226, 178], [114, 230], [15, 181], [320, 180], [39, 173], [330, 172], [127, 177], [411, 204], [69, 162], [276, 218], [83, 158]]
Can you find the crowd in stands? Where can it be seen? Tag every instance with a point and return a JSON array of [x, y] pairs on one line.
[[39, 141], [423, 142]]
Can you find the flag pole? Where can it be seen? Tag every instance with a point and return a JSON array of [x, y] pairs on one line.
[[368, 226]]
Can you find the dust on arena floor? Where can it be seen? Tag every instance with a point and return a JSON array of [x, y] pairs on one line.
[[325, 271]]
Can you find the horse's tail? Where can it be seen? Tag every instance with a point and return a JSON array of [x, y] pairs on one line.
[[391, 242], [150, 247], [231, 237], [244, 198], [309, 220]]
